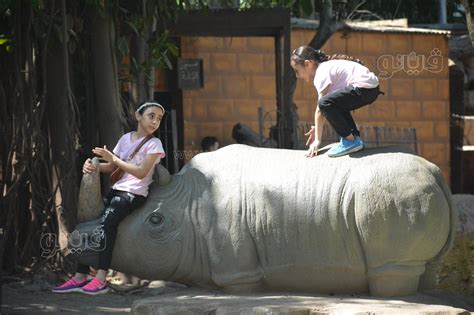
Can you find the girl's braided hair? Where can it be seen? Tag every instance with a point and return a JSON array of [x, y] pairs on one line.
[[300, 54]]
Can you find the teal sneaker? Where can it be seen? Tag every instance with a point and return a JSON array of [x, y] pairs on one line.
[[345, 147]]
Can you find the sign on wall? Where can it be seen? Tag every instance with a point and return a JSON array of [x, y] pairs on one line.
[[190, 74]]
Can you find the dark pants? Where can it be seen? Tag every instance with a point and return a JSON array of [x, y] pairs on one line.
[[118, 205], [337, 106]]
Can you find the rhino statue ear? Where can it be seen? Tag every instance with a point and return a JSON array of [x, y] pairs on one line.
[[161, 175]]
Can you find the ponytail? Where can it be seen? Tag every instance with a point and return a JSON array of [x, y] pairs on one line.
[[345, 57], [300, 54]]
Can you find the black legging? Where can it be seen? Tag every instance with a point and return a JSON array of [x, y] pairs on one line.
[[118, 204], [336, 107]]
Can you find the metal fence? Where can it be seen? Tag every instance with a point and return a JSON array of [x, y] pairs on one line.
[[372, 136]]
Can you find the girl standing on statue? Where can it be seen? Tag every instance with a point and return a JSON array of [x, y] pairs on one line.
[[343, 84]]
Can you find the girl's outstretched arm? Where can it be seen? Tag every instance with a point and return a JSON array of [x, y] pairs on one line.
[[316, 132], [107, 167], [139, 171], [89, 167]]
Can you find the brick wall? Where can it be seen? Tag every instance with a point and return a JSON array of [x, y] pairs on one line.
[[239, 77]]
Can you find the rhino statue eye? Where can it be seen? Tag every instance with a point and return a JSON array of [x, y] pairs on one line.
[[156, 219]]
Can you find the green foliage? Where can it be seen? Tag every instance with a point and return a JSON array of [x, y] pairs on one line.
[[5, 5], [162, 48], [138, 19], [420, 11], [307, 6], [268, 3], [4, 44], [417, 12], [102, 6]]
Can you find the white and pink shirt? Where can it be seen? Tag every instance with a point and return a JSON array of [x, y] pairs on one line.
[[340, 74], [124, 148]]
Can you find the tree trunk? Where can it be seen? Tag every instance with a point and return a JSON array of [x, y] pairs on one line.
[[61, 117], [331, 20], [468, 8], [106, 84], [143, 83], [138, 49], [329, 23], [150, 82]]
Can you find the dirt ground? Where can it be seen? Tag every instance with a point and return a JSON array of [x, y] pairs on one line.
[[25, 297], [33, 296]]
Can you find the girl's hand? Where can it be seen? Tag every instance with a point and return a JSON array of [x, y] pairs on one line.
[[313, 149], [88, 167], [311, 135], [104, 154]]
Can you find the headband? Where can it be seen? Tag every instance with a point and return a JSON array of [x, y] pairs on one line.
[[150, 104]]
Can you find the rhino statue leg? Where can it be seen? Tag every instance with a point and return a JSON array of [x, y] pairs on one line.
[[90, 204], [408, 264], [428, 280]]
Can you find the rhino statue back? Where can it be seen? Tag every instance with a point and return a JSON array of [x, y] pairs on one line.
[[277, 219]]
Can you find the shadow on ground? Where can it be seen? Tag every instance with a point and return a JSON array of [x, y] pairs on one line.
[[167, 298]]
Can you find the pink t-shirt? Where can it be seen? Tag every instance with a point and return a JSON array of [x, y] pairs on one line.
[[342, 73], [124, 148]]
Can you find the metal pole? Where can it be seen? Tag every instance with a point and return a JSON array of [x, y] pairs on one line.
[[260, 125], [281, 121], [174, 136], [442, 12]]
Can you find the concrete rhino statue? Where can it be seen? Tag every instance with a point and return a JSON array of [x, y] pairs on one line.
[[246, 218]]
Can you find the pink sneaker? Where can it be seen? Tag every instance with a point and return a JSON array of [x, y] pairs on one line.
[[70, 286], [96, 286]]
